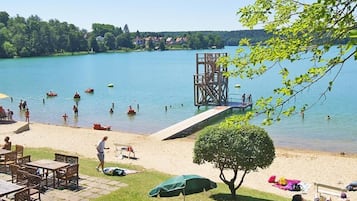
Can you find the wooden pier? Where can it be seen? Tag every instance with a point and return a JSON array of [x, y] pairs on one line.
[[190, 125], [187, 126]]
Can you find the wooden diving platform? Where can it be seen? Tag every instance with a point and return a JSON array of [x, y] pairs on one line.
[[187, 126]]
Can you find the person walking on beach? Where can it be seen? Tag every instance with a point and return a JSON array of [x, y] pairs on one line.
[[100, 153]]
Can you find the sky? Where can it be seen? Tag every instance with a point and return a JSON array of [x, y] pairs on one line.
[[139, 15]]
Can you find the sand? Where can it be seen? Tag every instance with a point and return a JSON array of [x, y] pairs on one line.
[[175, 156]]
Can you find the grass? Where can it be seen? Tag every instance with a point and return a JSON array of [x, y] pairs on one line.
[[141, 183]]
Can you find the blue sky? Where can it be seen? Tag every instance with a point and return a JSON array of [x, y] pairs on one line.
[[142, 15]]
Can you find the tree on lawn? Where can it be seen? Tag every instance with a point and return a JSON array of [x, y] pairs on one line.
[[237, 148], [324, 33]]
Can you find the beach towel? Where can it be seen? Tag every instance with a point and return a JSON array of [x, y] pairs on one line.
[[114, 171], [117, 171], [290, 184], [304, 187]]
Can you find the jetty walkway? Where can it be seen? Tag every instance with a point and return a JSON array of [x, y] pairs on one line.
[[184, 127], [190, 125]]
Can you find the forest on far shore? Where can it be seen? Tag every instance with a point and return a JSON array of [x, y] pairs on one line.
[[29, 37]]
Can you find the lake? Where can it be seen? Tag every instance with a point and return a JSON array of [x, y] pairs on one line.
[[151, 81]]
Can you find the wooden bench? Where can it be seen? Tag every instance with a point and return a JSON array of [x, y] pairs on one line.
[[329, 190]]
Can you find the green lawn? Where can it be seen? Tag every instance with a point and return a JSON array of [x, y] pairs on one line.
[[141, 183]]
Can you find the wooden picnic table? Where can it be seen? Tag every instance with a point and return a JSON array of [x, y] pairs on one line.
[[8, 187], [48, 165]]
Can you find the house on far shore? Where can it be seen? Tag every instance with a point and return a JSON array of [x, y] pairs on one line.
[[99, 38]]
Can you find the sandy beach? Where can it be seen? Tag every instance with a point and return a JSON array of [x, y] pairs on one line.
[[175, 156]]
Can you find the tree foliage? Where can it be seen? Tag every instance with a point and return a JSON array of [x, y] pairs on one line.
[[242, 148], [4, 17], [35, 37], [299, 31], [201, 41], [101, 29], [21, 37]]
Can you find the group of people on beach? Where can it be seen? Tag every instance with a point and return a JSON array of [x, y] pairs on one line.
[[6, 114]]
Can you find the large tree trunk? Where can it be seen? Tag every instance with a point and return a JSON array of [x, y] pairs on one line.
[[230, 183]]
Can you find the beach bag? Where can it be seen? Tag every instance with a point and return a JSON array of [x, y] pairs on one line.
[[272, 179]]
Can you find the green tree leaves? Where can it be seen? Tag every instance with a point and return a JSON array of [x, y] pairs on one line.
[[239, 147], [299, 31]]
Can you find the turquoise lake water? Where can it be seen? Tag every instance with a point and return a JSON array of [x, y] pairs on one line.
[[153, 80]]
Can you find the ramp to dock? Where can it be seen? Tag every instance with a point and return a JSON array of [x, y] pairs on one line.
[[182, 128]]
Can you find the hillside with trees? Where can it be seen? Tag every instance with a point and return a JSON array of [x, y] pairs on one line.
[[29, 37]]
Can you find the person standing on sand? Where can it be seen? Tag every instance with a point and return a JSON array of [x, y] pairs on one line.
[[100, 153]]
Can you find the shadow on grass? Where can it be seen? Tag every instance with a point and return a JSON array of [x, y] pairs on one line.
[[228, 197]]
